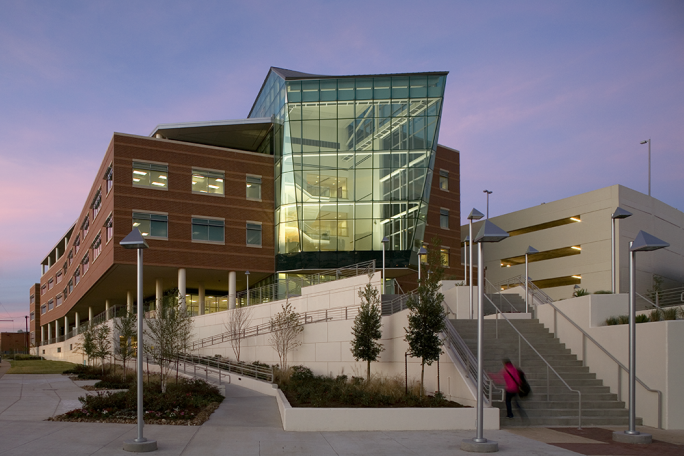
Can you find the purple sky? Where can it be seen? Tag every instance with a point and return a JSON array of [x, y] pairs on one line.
[[545, 99]]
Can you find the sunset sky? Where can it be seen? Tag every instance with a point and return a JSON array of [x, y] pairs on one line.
[[544, 99]]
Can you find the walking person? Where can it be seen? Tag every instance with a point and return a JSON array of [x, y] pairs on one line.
[[511, 377]]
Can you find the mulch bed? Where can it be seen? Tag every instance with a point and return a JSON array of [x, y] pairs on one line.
[[198, 420]]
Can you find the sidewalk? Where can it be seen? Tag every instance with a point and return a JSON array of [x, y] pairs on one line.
[[247, 423]]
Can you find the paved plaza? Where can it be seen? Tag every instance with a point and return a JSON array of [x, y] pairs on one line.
[[247, 423]]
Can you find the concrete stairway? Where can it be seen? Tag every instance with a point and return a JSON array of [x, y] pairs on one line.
[[560, 406], [507, 302]]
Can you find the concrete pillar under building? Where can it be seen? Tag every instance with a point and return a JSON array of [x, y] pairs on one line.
[[49, 328], [56, 328], [129, 301], [232, 279], [158, 293], [106, 309], [77, 321], [66, 325], [49, 265], [182, 281], [56, 253], [201, 293], [42, 333], [90, 315]]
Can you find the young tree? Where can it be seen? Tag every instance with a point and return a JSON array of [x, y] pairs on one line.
[[125, 328], [426, 319], [238, 320], [168, 334], [367, 329], [285, 330], [87, 346], [103, 343]]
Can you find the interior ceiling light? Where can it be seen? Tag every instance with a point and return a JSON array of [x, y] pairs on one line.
[[213, 186], [219, 180], [136, 224], [575, 219], [577, 276], [142, 173], [159, 184], [576, 247], [135, 179], [145, 234], [162, 177]]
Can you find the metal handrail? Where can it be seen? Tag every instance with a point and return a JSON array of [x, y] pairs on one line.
[[621, 366], [465, 357], [308, 317], [548, 366], [501, 295], [222, 364]]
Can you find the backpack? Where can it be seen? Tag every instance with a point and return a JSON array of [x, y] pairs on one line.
[[524, 388]]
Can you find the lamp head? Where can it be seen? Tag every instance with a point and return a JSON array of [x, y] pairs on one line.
[[475, 215], [134, 240], [620, 213], [530, 250], [385, 240], [644, 142], [246, 273], [645, 242], [422, 251], [490, 233]]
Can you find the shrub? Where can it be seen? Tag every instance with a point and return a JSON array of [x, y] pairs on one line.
[[623, 319], [580, 292], [603, 292], [612, 321], [641, 318], [670, 313]]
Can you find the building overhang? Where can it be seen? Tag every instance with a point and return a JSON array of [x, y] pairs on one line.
[[241, 134]]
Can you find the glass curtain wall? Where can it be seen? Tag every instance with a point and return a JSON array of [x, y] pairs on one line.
[[354, 163]]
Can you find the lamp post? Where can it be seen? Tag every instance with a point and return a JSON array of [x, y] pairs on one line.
[[530, 250], [247, 276], [466, 242], [643, 242], [488, 192], [135, 241], [649, 164], [385, 240], [474, 215], [27, 335], [488, 233], [422, 251], [619, 213]]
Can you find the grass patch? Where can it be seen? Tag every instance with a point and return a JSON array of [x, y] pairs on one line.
[[39, 367], [303, 389], [187, 402]]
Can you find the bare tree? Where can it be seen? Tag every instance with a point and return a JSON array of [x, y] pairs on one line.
[[125, 329], [168, 335], [238, 321], [103, 343], [285, 330]]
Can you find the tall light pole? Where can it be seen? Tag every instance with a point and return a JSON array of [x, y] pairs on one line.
[[649, 164], [466, 243], [422, 251], [384, 241], [247, 276], [488, 192], [135, 241], [488, 233], [643, 242], [474, 215], [619, 213], [530, 250]]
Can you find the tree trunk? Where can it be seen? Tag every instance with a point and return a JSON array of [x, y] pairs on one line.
[[368, 372], [422, 377]]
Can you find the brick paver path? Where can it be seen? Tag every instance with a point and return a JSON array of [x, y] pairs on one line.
[[606, 446]]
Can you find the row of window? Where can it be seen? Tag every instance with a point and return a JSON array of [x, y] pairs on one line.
[[154, 175], [443, 253], [204, 229]]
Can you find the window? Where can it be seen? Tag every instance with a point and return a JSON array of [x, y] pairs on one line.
[[444, 255], [109, 179], [33, 338], [43, 289], [85, 263], [71, 284], [33, 316], [43, 309], [71, 258], [51, 304], [97, 204], [254, 234], [85, 227], [77, 243], [51, 283], [151, 225], [207, 182], [59, 349], [59, 300], [97, 247], [210, 230], [65, 292], [444, 219], [109, 229], [33, 299], [253, 187], [77, 276], [59, 276], [443, 180], [150, 175], [424, 258]]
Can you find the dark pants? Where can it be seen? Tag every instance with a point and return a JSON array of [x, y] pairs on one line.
[[509, 408]]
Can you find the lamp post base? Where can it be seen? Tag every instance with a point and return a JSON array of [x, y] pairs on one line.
[[472, 446], [140, 447], [638, 438]]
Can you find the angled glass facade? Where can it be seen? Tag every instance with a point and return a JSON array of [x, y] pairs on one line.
[[354, 158]]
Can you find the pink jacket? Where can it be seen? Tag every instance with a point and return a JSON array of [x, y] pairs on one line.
[[509, 374]]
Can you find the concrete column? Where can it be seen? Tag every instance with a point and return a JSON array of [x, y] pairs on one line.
[[201, 298], [182, 280], [158, 293], [42, 333], [66, 325], [232, 277], [56, 253], [129, 301], [56, 328], [90, 316], [49, 327], [49, 262], [66, 244], [77, 321], [106, 309]]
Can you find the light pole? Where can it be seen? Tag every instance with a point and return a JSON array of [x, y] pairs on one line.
[[530, 250], [27, 335], [619, 213], [649, 164], [422, 251], [474, 215], [247, 276], [135, 241], [466, 242], [643, 242], [488, 233], [488, 192], [385, 240]]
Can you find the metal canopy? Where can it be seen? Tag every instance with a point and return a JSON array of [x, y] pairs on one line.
[[241, 134], [645, 242], [621, 213], [530, 250], [490, 233], [134, 240], [475, 215]]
